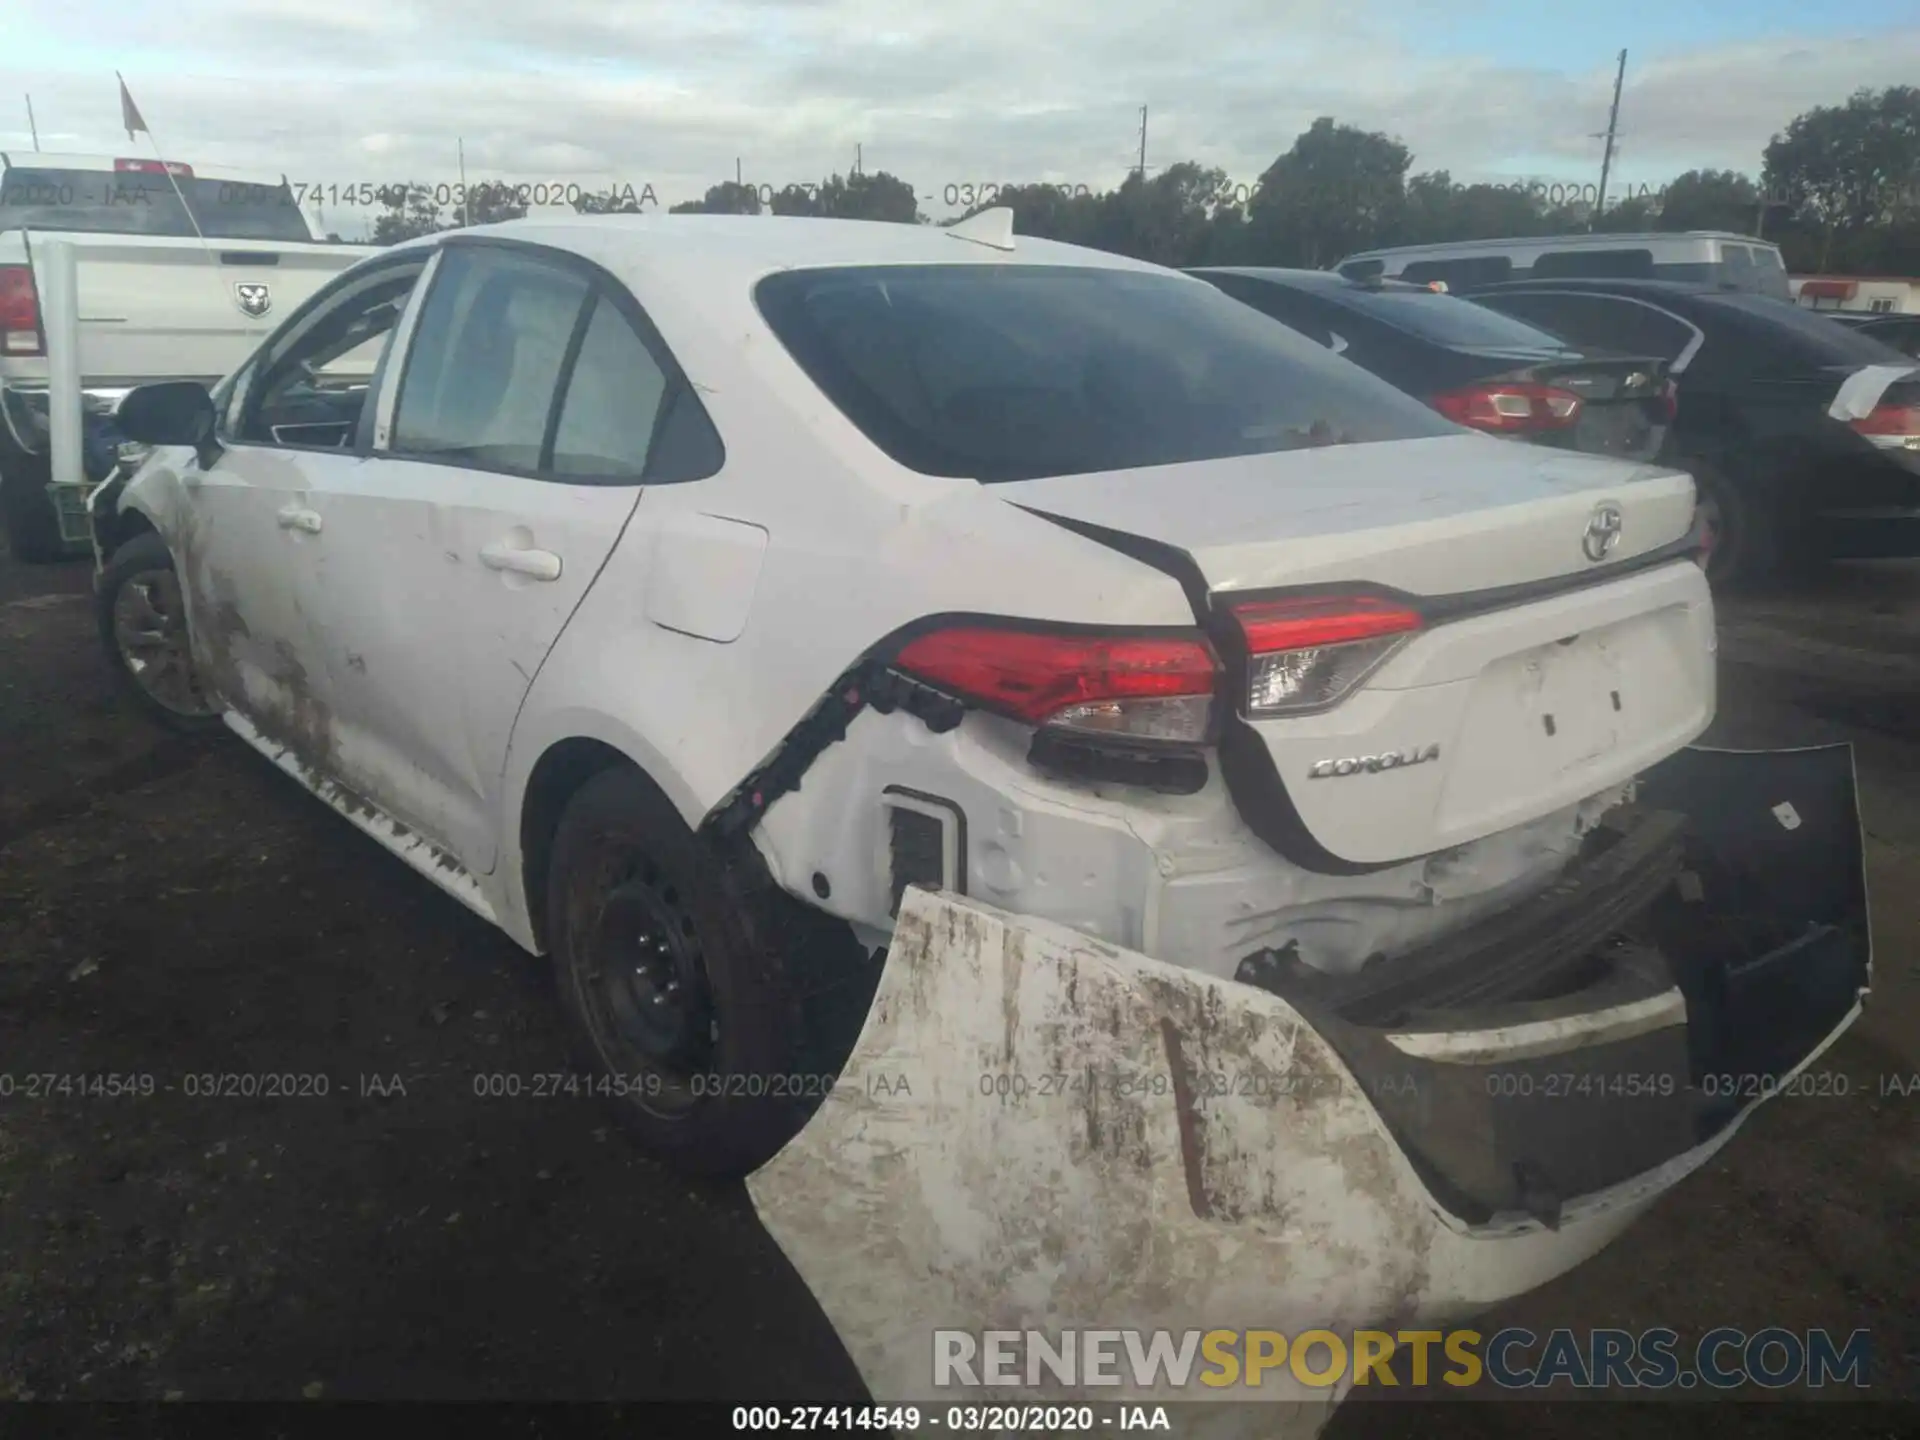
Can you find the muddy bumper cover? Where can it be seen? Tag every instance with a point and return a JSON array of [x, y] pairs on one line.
[[1037, 1131]]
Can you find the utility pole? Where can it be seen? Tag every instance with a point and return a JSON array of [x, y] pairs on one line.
[[1606, 158], [31, 125], [1143, 144], [466, 207], [856, 159]]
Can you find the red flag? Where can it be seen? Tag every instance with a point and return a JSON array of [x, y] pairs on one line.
[[129, 112]]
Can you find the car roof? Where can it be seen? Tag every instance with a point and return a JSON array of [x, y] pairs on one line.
[[754, 245]]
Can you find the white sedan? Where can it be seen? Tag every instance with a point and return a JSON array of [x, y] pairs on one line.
[[901, 674]]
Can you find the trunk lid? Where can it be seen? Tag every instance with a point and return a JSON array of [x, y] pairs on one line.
[[1623, 411], [1525, 691]]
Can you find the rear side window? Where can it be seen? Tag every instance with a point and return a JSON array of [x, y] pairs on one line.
[[1461, 273], [106, 202], [1594, 264], [485, 361], [1015, 372], [1604, 322], [612, 401]]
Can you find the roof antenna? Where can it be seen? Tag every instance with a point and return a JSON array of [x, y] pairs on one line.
[[992, 228]]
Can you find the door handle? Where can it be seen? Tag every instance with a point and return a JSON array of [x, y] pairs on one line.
[[294, 517], [538, 564]]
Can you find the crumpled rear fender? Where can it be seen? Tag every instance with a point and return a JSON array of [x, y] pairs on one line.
[[1041, 1131]]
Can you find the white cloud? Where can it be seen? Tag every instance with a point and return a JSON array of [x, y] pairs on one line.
[[670, 92]]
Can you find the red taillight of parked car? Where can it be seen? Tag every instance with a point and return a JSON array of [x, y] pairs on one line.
[[153, 167], [1510, 407], [1130, 687], [1667, 405], [1899, 420], [19, 312], [1307, 652]]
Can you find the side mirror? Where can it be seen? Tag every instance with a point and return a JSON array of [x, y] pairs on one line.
[[172, 412]]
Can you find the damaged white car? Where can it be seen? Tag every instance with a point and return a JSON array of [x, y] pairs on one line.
[[1140, 822]]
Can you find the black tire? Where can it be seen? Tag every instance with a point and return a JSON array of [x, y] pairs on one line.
[[1750, 544], [143, 570], [637, 905], [33, 530]]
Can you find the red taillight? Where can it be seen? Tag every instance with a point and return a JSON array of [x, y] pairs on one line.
[[1308, 652], [1890, 419], [153, 167], [19, 312], [1510, 407], [1142, 687], [1669, 403]]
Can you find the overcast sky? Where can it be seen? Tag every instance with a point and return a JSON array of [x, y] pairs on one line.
[[641, 92]]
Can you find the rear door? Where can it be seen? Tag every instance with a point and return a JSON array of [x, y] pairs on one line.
[[507, 460]]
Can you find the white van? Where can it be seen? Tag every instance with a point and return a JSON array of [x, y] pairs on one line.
[[1706, 257]]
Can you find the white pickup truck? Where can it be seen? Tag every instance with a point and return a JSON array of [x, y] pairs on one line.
[[180, 276]]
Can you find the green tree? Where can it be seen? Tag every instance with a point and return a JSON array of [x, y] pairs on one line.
[[1848, 170], [729, 197], [612, 201], [1167, 220], [1337, 190], [489, 204], [1710, 200], [408, 216]]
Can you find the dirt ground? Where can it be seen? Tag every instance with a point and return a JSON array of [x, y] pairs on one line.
[[175, 912]]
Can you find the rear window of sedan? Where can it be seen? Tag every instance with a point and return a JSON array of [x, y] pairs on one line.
[[1019, 372]]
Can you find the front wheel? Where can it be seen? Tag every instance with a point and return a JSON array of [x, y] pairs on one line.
[[677, 991], [143, 623]]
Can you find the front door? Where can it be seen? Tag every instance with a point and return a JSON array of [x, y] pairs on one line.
[[248, 540]]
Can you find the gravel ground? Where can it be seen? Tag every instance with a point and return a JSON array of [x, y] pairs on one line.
[[175, 912]]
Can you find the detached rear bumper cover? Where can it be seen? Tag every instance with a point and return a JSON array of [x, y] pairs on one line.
[[1037, 1130]]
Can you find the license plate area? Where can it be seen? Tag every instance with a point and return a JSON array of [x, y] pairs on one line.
[[1539, 720]]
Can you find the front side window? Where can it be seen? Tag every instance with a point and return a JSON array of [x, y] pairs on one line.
[[485, 363], [308, 385], [1605, 322], [1015, 372]]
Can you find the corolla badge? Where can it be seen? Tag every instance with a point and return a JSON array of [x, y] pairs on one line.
[[1372, 764], [253, 297], [1603, 532]]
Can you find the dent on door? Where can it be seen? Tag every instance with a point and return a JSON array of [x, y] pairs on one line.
[[1038, 1131]]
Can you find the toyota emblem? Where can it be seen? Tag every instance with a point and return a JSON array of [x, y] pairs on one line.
[[253, 297], [1603, 532]]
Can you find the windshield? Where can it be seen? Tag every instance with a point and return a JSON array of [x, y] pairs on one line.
[[1449, 320], [1015, 372], [111, 203]]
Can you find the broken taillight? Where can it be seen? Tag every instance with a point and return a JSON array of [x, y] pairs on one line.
[[1307, 652], [1124, 686]]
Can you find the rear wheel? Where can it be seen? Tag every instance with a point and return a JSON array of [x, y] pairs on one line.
[[1746, 541], [677, 992], [26, 510], [143, 623]]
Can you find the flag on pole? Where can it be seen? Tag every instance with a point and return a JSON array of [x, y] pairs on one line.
[[129, 112]]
